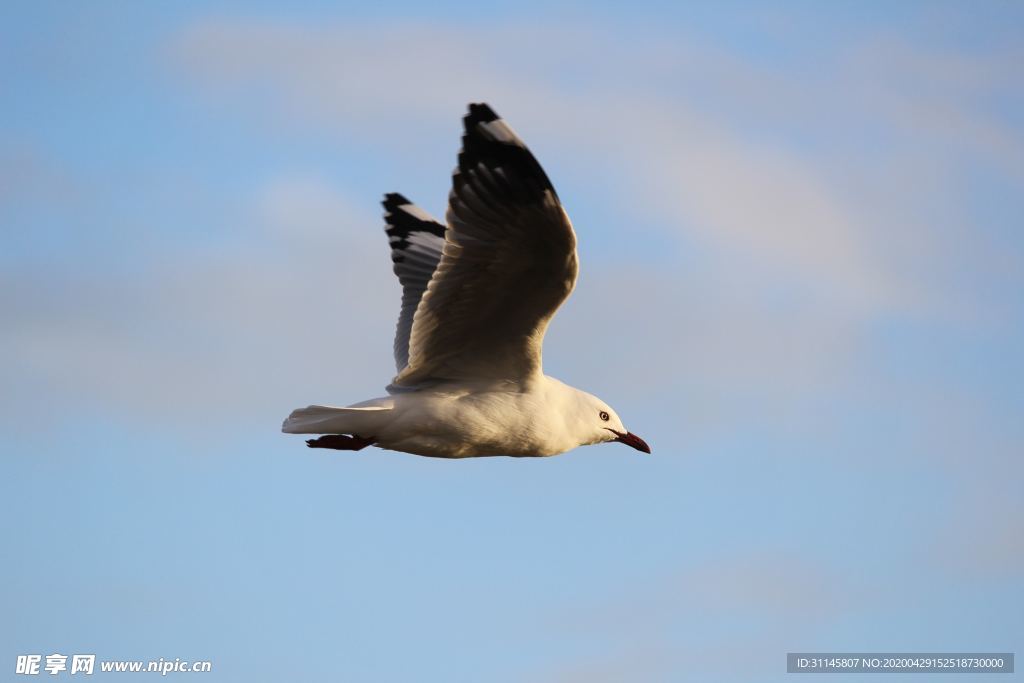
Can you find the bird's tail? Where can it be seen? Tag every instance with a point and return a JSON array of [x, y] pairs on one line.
[[363, 420]]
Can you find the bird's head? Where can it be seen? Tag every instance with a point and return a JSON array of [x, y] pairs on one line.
[[596, 422]]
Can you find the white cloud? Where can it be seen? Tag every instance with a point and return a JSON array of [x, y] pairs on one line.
[[630, 109], [303, 305]]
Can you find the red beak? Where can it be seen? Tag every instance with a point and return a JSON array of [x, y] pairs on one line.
[[631, 440]]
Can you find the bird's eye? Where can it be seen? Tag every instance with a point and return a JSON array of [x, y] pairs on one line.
[[604, 416]]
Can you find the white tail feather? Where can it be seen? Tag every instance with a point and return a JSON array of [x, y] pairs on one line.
[[363, 420]]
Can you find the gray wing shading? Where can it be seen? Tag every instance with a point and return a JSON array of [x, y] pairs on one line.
[[416, 243], [509, 262]]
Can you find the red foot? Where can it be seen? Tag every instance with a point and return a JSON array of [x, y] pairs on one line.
[[340, 442]]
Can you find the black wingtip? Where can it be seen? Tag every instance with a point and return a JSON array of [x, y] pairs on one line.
[[479, 112], [498, 147], [393, 200], [400, 222]]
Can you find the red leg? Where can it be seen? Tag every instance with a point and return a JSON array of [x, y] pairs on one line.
[[340, 442]]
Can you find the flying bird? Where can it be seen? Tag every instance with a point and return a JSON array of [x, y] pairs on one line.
[[477, 297]]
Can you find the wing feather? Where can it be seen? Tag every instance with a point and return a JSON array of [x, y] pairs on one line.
[[417, 241], [508, 262]]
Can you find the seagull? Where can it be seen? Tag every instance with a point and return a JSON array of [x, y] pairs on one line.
[[477, 297]]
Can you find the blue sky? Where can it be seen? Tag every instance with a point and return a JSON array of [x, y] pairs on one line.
[[801, 275]]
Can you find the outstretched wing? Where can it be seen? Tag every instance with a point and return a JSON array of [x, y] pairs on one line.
[[509, 262], [416, 243]]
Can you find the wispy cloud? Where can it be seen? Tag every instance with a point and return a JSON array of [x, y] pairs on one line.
[[231, 330], [654, 125], [780, 253]]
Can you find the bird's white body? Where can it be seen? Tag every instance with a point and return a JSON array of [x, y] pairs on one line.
[[477, 296], [459, 420]]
